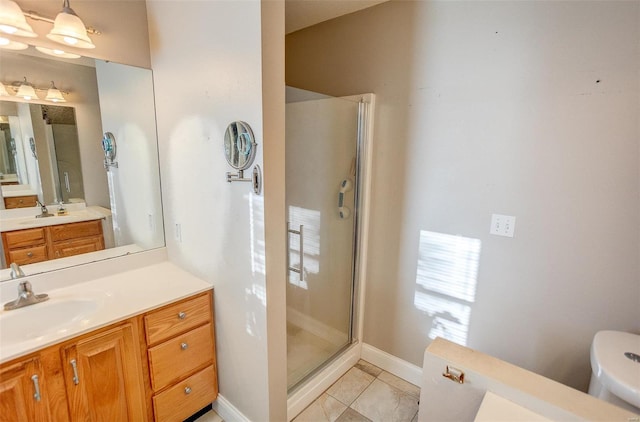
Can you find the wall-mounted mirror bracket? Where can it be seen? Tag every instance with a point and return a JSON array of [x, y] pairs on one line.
[[237, 177], [255, 179]]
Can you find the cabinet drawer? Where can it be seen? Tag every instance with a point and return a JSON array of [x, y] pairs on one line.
[[186, 397], [75, 230], [20, 201], [171, 360], [78, 246], [28, 255], [22, 238], [175, 319]]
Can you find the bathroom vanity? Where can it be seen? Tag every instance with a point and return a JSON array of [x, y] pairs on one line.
[[27, 240], [129, 347], [27, 246]]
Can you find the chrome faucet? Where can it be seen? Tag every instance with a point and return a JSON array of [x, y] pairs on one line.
[[44, 212], [26, 296]]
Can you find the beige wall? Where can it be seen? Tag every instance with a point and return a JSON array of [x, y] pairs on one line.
[[521, 108]]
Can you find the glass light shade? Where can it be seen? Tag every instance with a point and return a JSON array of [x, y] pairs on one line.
[[8, 44], [68, 29], [3, 91], [12, 20], [54, 95], [26, 91], [57, 53]]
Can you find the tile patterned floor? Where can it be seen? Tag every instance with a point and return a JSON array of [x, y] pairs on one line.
[[365, 393], [210, 416]]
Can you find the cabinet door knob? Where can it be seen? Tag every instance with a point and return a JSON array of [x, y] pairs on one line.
[[184, 346], [187, 390], [182, 315], [29, 254]]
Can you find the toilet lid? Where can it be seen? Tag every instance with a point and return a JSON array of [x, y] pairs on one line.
[[612, 361]]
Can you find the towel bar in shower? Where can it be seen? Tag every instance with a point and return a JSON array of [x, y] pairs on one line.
[[299, 232]]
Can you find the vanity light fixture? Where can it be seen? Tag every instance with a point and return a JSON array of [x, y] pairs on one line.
[[12, 20], [8, 44], [54, 95], [69, 29], [57, 53], [26, 91]]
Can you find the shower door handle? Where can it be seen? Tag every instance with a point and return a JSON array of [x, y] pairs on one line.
[[66, 182], [300, 233]]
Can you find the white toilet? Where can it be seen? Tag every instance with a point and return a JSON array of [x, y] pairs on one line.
[[615, 365]]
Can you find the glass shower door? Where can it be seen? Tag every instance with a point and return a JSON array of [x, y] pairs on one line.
[[321, 177]]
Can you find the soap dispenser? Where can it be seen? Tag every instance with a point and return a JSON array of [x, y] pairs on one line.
[[61, 209]]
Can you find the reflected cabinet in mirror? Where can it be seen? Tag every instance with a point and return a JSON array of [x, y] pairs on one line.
[[65, 199]]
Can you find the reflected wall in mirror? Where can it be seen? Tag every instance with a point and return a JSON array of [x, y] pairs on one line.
[[53, 153], [52, 159]]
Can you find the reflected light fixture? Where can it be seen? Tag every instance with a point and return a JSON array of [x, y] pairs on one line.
[[8, 44], [3, 90], [26, 91], [54, 95], [12, 20], [69, 29], [57, 53]]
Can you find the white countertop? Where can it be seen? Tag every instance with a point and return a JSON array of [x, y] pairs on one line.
[[9, 191], [111, 299], [29, 222]]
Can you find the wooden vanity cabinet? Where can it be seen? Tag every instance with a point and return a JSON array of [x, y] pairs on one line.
[[76, 238], [32, 388], [25, 246], [22, 394], [28, 246], [20, 201], [103, 376], [156, 366], [181, 352]]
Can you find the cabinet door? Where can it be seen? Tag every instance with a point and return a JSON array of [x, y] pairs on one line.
[[77, 247], [22, 395], [103, 375]]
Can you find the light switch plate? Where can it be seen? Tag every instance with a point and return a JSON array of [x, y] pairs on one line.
[[502, 225]]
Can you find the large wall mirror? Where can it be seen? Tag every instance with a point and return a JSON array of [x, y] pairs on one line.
[[51, 154]]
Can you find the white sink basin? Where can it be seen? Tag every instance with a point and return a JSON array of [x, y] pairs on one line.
[[34, 321]]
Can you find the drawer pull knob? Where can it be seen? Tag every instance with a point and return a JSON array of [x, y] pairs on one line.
[[29, 254], [187, 390], [184, 346], [182, 315]]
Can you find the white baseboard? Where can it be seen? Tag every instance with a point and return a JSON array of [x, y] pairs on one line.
[[398, 367], [306, 394], [315, 327], [227, 411]]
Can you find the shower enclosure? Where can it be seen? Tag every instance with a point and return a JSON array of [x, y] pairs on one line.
[[323, 144]]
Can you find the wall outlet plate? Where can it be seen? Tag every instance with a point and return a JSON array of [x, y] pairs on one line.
[[502, 225]]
